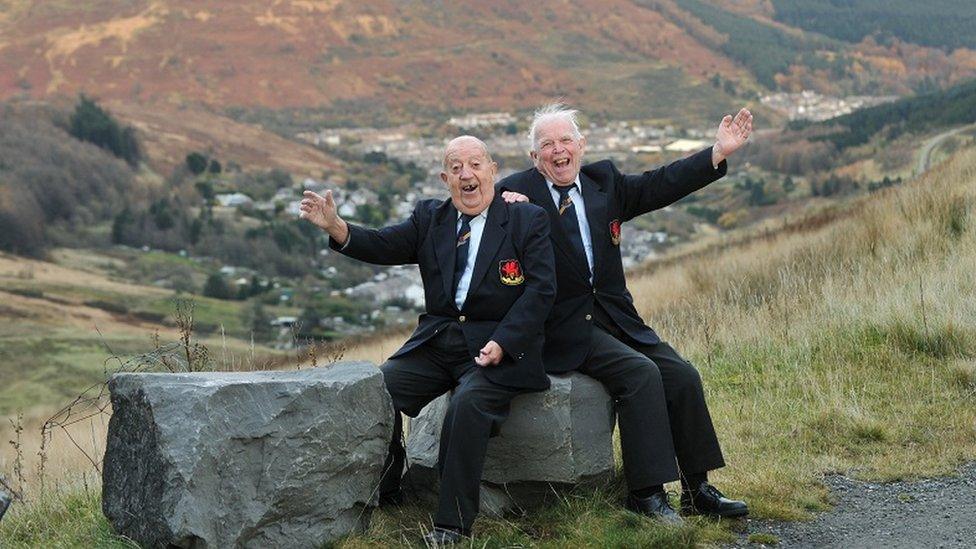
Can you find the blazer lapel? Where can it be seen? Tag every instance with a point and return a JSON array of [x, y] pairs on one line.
[[491, 239], [539, 195], [445, 242], [596, 215]]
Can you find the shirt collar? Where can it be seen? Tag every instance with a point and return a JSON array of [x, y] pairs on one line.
[[482, 215], [579, 187]]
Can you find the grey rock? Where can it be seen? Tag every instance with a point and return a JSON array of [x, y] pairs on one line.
[[255, 459], [5, 500], [551, 441]]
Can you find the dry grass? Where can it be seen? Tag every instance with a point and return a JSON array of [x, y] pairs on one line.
[[846, 347]]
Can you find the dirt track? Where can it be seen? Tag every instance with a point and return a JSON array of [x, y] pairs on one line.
[[937, 513]]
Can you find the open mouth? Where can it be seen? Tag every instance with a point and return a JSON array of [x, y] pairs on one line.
[[467, 189], [561, 163]]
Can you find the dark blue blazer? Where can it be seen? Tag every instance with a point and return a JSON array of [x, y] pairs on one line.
[[512, 287], [611, 198]]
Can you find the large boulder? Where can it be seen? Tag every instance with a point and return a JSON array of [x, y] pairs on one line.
[[553, 440], [5, 500], [249, 459]]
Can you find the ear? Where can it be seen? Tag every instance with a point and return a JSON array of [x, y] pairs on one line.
[[582, 142], [444, 177], [534, 156]]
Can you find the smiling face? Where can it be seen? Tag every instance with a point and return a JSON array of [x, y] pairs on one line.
[[469, 174], [558, 151]]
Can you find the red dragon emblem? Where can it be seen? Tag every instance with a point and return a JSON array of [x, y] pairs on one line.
[[615, 232], [510, 272]]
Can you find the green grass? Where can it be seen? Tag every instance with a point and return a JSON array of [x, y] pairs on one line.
[[763, 539], [68, 516]]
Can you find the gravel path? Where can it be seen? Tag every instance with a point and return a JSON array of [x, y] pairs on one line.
[[936, 513]]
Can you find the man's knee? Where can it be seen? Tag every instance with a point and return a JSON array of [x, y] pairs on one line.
[[390, 377], [641, 375], [467, 401], [685, 378]]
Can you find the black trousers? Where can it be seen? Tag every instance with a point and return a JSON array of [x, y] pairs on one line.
[[476, 408], [661, 410]]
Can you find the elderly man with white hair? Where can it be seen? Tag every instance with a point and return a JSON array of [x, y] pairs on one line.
[[665, 428]]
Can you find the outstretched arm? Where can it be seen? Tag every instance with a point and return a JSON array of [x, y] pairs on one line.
[[651, 190], [392, 245]]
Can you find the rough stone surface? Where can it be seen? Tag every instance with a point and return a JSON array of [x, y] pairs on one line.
[[5, 500], [257, 459], [555, 439]]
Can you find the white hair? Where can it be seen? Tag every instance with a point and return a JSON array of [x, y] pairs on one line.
[[548, 113]]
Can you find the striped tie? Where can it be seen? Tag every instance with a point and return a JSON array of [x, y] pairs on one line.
[[567, 216], [461, 248]]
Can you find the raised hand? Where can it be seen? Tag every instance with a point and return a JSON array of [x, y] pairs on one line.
[[731, 135], [490, 355], [320, 210]]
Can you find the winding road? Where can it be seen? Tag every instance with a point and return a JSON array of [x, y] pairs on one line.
[[924, 161]]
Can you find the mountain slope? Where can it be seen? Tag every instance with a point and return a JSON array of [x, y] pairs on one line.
[[640, 58]]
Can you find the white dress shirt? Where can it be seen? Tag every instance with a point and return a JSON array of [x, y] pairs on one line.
[[577, 198], [477, 225]]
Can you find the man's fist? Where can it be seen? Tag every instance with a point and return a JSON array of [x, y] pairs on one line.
[[490, 355]]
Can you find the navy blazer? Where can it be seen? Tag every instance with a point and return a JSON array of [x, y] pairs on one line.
[[611, 198], [512, 286]]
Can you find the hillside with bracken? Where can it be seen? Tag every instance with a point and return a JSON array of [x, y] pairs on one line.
[[384, 59]]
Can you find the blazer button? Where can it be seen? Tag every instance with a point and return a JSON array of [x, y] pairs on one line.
[[589, 317], [461, 318]]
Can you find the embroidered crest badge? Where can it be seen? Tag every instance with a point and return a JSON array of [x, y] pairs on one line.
[[615, 232], [510, 272]]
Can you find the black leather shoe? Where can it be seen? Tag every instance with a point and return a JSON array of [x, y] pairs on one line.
[[655, 506], [707, 500], [439, 537], [392, 499]]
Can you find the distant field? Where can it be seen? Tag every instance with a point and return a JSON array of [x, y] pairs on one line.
[[63, 322]]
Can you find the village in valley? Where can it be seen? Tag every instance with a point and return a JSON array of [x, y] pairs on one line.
[[395, 294]]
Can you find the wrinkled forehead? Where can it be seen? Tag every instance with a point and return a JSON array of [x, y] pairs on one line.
[[556, 128], [465, 151]]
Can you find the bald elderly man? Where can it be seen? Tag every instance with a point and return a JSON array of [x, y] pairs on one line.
[[489, 282]]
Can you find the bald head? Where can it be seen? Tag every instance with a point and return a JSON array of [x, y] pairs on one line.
[[469, 174], [464, 142]]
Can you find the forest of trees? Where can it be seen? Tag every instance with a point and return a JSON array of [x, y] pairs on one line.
[[946, 24], [51, 184], [764, 49]]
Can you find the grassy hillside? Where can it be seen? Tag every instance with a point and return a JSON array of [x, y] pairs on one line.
[[386, 62], [840, 342]]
